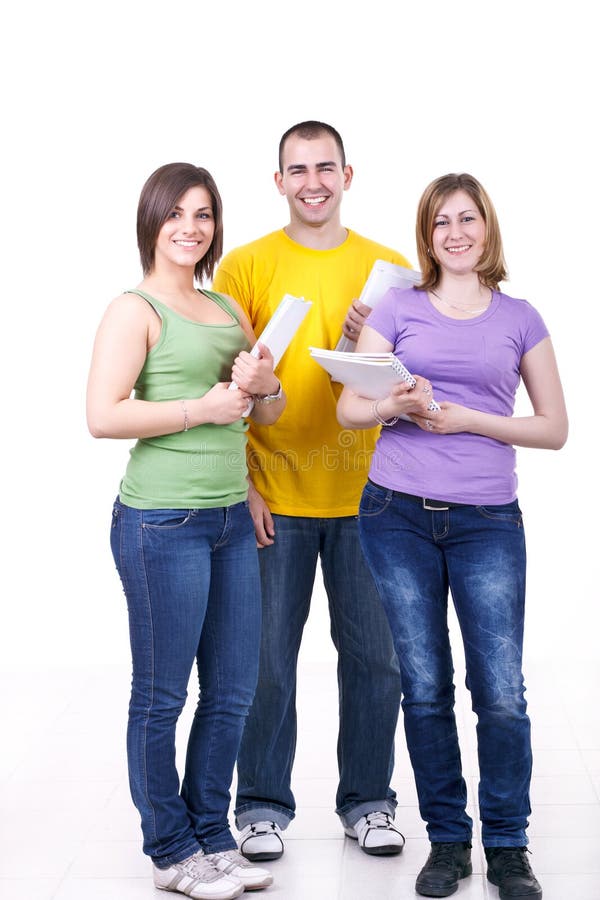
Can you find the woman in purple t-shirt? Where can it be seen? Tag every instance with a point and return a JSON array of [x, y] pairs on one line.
[[440, 513]]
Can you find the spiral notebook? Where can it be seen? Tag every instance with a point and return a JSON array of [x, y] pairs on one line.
[[371, 375]]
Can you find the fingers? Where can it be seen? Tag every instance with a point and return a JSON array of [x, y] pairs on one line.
[[355, 319]]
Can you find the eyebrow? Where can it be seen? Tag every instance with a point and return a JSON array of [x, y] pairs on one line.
[[461, 213], [300, 167], [200, 208]]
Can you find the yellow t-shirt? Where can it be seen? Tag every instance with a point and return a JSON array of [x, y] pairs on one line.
[[305, 464]]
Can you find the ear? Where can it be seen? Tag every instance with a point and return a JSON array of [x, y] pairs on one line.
[[279, 182], [348, 175]]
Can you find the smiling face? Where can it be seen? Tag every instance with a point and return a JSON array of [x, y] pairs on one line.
[[313, 180], [458, 238], [187, 234]]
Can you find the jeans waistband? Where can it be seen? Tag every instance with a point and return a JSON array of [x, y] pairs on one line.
[[424, 502]]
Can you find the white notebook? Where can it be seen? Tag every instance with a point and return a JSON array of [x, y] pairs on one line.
[[279, 331], [384, 275], [371, 375]]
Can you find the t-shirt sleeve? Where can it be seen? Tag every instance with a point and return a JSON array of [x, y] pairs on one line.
[[228, 280], [534, 327], [383, 317]]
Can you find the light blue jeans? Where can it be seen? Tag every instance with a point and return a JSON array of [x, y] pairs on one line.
[[368, 676], [478, 553], [193, 593]]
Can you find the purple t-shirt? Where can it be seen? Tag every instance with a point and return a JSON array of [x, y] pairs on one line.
[[474, 362]]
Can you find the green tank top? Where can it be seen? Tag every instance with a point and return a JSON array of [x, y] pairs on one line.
[[205, 466]]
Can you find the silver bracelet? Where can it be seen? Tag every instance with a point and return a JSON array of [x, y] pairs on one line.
[[379, 418], [186, 418]]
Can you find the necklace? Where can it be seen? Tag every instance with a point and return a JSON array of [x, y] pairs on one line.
[[466, 309]]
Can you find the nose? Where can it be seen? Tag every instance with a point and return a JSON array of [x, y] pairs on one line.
[[189, 224], [456, 230], [313, 180]]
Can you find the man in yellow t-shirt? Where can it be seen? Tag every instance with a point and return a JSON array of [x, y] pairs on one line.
[[307, 476]]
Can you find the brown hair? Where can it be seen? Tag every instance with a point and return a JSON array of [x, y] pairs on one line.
[[309, 131], [491, 268], [159, 195]]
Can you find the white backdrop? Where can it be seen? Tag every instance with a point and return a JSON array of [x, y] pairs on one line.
[[98, 95]]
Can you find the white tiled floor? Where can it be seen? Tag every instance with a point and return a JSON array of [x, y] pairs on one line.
[[68, 830]]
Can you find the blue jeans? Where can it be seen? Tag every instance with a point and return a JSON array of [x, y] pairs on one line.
[[192, 585], [478, 553], [368, 677]]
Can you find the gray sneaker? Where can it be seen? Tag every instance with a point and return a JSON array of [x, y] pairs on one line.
[[197, 877]]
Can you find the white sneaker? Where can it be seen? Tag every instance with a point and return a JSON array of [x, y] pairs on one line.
[[376, 834], [260, 841], [197, 877], [230, 862]]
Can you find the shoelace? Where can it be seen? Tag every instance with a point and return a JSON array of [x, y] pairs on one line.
[[270, 827], [197, 866], [379, 820], [513, 861], [442, 855], [236, 860]]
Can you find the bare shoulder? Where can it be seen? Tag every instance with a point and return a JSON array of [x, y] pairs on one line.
[[130, 309]]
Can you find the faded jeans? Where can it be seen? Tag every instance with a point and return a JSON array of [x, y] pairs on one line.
[[193, 593], [478, 554]]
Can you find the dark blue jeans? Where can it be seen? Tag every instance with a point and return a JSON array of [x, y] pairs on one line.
[[193, 593], [478, 553], [368, 677]]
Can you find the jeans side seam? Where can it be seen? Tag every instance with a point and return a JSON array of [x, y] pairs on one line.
[[148, 710]]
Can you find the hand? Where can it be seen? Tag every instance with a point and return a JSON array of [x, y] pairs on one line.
[[355, 319], [261, 516], [450, 419], [223, 406], [406, 400], [255, 375]]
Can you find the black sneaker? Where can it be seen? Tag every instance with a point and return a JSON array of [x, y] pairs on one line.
[[509, 870], [445, 866]]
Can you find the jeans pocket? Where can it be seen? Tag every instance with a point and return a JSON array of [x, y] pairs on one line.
[[503, 512], [374, 500], [165, 519]]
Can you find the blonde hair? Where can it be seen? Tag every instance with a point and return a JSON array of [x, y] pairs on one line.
[[491, 268]]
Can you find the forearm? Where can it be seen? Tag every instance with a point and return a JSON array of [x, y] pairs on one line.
[[357, 412], [133, 418], [268, 413], [537, 431]]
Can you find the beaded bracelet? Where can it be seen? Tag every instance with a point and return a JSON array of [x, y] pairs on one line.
[[186, 418], [379, 418]]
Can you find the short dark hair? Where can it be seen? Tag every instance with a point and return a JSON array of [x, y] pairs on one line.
[[159, 195], [308, 131], [491, 268]]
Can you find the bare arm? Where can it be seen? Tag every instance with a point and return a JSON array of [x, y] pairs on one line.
[[354, 411], [127, 331], [546, 429]]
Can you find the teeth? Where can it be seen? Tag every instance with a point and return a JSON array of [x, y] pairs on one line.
[[187, 243], [314, 201], [458, 249]]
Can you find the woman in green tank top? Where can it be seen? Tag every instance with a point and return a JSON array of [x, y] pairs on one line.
[[182, 536]]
